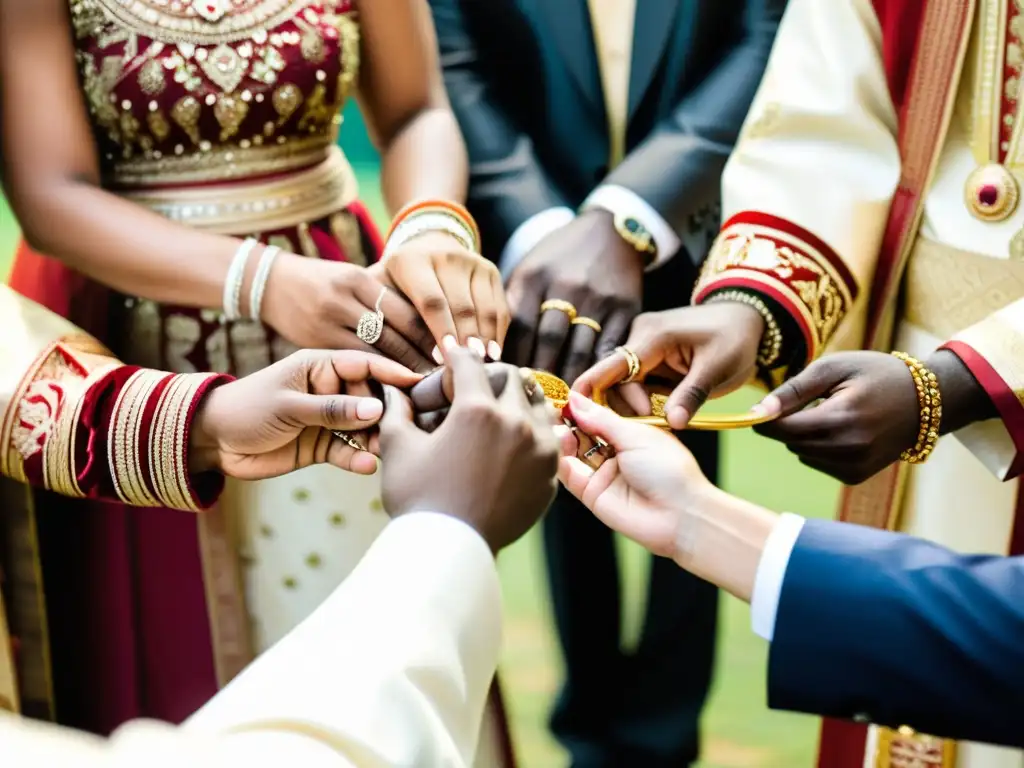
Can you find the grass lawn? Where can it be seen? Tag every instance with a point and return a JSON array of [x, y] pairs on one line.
[[739, 731]]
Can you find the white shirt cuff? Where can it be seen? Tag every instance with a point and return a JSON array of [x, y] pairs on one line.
[[619, 200], [529, 234], [771, 573]]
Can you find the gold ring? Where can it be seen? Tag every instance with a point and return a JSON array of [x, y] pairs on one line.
[[560, 306], [348, 439], [587, 321], [632, 361], [371, 324]]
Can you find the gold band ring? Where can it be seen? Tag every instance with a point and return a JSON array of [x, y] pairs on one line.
[[560, 306], [348, 440], [632, 361], [589, 322], [371, 324]]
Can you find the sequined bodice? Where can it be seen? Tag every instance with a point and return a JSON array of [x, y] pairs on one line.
[[196, 91]]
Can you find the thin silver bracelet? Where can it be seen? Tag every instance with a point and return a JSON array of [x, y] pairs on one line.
[[234, 279], [431, 221], [259, 281], [771, 340]]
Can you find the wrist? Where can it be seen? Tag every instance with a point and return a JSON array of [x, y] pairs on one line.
[[721, 538], [203, 445], [624, 252], [964, 400]]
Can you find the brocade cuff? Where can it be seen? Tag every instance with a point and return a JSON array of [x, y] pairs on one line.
[[789, 266]]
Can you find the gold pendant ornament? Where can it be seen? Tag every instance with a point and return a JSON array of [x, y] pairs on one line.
[[991, 193]]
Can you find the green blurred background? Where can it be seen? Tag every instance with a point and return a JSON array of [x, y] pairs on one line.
[[739, 731]]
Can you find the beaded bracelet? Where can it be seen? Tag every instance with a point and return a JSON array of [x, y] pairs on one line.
[[235, 277], [446, 207], [929, 400], [771, 340]]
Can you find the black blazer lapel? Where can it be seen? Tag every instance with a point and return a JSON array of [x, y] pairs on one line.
[[568, 22], [654, 23]]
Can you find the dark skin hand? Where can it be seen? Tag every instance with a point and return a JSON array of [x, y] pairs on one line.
[[589, 265], [870, 413], [704, 351], [490, 464]]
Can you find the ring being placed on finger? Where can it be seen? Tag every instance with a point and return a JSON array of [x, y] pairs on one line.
[[371, 324], [589, 322], [632, 361], [348, 440], [560, 306]]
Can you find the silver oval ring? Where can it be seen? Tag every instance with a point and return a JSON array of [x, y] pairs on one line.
[[371, 324]]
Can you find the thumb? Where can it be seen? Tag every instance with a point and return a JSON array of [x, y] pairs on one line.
[[803, 389], [340, 412], [597, 421], [703, 378], [397, 425]]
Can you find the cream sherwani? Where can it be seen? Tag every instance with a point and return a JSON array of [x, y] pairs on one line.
[[807, 194], [392, 670]]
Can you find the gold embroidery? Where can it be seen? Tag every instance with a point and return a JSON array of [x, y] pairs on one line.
[[348, 34], [225, 67], [218, 359], [183, 333], [286, 100], [904, 748], [186, 114], [349, 236], [158, 125], [230, 112], [318, 111], [98, 86], [250, 351], [306, 242]]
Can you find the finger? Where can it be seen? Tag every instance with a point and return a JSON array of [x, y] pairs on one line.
[[552, 332], [597, 421], [522, 331], [398, 348], [400, 315], [582, 341], [352, 366], [636, 396], [614, 331], [428, 422], [396, 425], [486, 304], [503, 312], [602, 376], [618, 404], [803, 389], [824, 421], [830, 468], [575, 475], [707, 373], [435, 390], [341, 412], [469, 376], [455, 276], [424, 290], [340, 454]]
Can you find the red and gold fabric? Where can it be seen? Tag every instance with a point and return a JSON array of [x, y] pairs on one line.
[[74, 420], [862, 149]]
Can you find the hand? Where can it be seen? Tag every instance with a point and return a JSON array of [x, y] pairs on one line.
[[317, 304], [644, 489], [281, 418], [491, 463], [707, 351], [457, 292], [589, 265], [870, 414]]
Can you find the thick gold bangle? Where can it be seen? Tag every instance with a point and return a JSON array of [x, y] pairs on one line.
[[771, 341], [929, 400]]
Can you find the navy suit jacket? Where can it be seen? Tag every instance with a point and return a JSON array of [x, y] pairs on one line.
[[880, 626], [524, 82]]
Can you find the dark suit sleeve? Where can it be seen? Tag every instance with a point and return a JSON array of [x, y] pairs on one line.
[[677, 169], [902, 632], [507, 184]]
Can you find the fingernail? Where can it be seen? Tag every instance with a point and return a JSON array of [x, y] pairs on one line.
[[494, 350], [449, 343], [438, 357], [477, 346], [579, 403], [771, 405], [369, 408], [677, 417]]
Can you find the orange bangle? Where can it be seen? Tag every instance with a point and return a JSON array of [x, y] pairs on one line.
[[447, 206]]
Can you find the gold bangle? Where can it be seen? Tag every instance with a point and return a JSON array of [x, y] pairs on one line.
[[929, 400], [587, 321], [771, 341], [560, 306], [633, 361]]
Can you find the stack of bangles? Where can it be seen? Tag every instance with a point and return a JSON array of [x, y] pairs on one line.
[[929, 401], [425, 216], [232, 308]]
